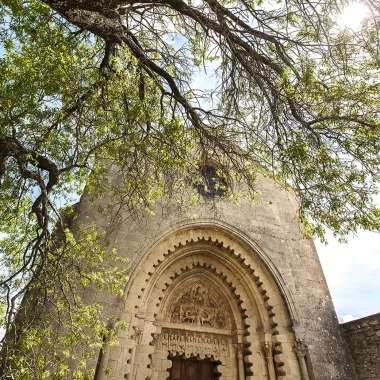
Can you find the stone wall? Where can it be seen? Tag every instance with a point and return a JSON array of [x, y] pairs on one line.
[[269, 237], [363, 337]]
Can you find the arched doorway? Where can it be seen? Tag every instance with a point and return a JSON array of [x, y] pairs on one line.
[[192, 368], [207, 297], [200, 318]]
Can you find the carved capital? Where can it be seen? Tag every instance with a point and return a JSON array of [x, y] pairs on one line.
[[239, 348], [300, 348], [267, 347], [137, 334]]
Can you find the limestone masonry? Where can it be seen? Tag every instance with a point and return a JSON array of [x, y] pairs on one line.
[[234, 288], [363, 337]]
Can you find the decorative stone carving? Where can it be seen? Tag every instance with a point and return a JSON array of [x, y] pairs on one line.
[[220, 318], [193, 344], [154, 340], [268, 350], [300, 349], [137, 334], [176, 315], [199, 306], [189, 314], [239, 347]]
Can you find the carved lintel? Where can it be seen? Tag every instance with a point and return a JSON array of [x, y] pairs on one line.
[[193, 343]]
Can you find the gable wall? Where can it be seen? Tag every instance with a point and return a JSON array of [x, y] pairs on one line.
[[287, 256]]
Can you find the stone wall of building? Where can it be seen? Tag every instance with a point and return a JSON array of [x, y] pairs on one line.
[[269, 237], [363, 338]]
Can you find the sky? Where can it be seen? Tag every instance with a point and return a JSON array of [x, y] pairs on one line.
[[352, 272]]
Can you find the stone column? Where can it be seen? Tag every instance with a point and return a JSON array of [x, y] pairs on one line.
[[300, 349], [132, 363], [240, 360], [268, 350], [136, 336]]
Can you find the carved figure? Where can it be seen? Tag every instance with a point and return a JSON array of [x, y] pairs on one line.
[[186, 298], [220, 320], [165, 341], [155, 340], [190, 343], [208, 347], [197, 344], [215, 346], [199, 294], [181, 344], [175, 315], [206, 317], [223, 345], [173, 342], [189, 316]]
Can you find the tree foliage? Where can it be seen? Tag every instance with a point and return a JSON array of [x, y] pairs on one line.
[[88, 84]]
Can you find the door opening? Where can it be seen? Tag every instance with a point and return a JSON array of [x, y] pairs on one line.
[[192, 369]]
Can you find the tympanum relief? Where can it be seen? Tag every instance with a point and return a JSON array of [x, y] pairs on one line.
[[199, 306]]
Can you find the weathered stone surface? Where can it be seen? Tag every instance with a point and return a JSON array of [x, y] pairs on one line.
[[363, 338], [255, 261]]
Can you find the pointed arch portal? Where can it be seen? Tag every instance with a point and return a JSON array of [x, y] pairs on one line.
[[204, 294]]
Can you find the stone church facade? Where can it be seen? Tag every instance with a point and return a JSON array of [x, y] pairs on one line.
[[228, 292]]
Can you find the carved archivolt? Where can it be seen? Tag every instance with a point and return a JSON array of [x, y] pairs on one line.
[[221, 235], [224, 262], [197, 307]]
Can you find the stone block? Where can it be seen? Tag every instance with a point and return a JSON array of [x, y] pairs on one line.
[[163, 375], [115, 353]]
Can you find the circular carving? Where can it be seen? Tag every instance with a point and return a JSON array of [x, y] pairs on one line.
[[213, 185]]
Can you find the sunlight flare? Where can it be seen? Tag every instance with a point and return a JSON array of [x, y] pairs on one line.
[[353, 15]]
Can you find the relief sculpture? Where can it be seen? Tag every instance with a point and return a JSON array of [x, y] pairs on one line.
[[199, 306], [192, 344], [188, 314], [207, 317]]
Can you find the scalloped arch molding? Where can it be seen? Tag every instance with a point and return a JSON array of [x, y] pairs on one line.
[[235, 264], [229, 236]]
